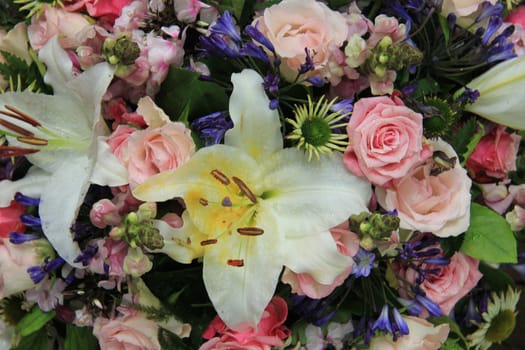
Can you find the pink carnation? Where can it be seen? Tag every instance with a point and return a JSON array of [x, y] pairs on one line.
[[270, 331]]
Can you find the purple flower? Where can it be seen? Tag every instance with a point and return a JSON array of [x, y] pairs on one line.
[[364, 261], [212, 127], [226, 26], [383, 321]]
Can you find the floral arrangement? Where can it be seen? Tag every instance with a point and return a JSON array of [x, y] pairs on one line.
[[242, 174]]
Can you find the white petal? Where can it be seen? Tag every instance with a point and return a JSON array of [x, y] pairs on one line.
[[317, 255], [59, 66], [30, 185], [108, 170], [153, 115], [501, 94], [240, 294], [59, 204], [257, 129], [311, 197]]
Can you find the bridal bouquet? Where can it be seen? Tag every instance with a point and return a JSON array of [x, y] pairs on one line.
[[242, 174]]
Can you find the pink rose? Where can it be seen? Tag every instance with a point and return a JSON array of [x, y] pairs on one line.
[[304, 284], [154, 150], [452, 282], [15, 259], [10, 219], [386, 139], [422, 335], [126, 332], [294, 25], [494, 155], [270, 331], [111, 8], [516, 16], [55, 21], [462, 8], [431, 203], [118, 141]]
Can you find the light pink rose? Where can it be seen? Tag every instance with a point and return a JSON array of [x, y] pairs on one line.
[[118, 141], [439, 204], [126, 332], [15, 259], [422, 335], [452, 282], [153, 150], [55, 21], [304, 284], [270, 331], [386, 139], [462, 8], [494, 155], [293, 25]]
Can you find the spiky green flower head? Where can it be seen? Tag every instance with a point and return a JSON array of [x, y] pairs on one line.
[[34, 7], [439, 116], [498, 321], [315, 128]]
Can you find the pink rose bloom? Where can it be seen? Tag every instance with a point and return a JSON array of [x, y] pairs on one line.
[[154, 150], [15, 259], [10, 219], [386, 140], [118, 141], [431, 203], [462, 8], [304, 284], [494, 155], [270, 331], [126, 332], [55, 21], [422, 335], [293, 25], [516, 16], [452, 282]]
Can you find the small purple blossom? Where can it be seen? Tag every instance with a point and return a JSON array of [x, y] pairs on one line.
[[252, 50], [86, 255], [226, 26], [383, 322], [254, 33], [20, 238], [212, 127], [26, 200], [308, 64], [429, 305], [364, 261], [31, 221]]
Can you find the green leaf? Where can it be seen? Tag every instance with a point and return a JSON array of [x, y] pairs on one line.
[[496, 278], [80, 338], [34, 321], [169, 340], [34, 341], [182, 89], [489, 237], [454, 327], [465, 139], [444, 29]]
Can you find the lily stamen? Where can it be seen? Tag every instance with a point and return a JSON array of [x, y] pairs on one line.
[[18, 114], [208, 242], [204, 202], [235, 262], [250, 231], [245, 189], [31, 140], [220, 176], [11, 151], [15, 128]]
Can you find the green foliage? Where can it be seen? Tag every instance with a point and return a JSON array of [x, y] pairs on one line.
[[34, 321], [169, 340], [466, 138], [22, 74], [496, 278], [10, 14], [454, 327], [489, 237], [80, 338], [35, 341], [183, 90]]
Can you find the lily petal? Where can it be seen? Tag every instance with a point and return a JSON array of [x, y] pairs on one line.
[[59, 66], [310, 197], [30, 185], [257, 128], [240, 293], [108, 170]]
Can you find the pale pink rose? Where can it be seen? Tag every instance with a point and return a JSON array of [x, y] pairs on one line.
[[118, 141], [438, 204], [15, 259], [422, 335], [462, 8], [10, 219], [304, 284], [494, 155], [154, 150], [452, 282], [293, 25], [55, 21], [126, 332], [270, 332], [386, 140]]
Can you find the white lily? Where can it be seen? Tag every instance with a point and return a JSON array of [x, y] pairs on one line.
[[501, 94], [59, 134], [255, 207]]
